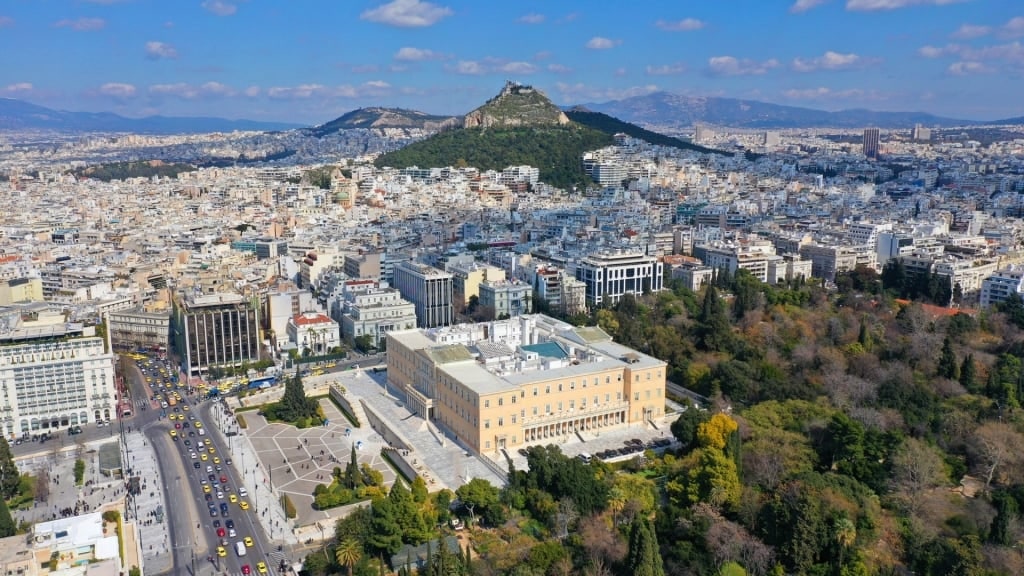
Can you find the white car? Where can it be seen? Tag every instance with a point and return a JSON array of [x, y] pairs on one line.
[[220, 495], [192, 455]]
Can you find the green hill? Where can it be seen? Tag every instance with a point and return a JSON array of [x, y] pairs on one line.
[[557, 150], [137, 169], [612, 125]]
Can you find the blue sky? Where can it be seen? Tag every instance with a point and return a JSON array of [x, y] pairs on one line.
[[311, 60]]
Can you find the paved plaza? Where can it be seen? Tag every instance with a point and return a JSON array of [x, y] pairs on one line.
[[295, 460]]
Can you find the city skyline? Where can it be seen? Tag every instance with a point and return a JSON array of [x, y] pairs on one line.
[[259, 60]]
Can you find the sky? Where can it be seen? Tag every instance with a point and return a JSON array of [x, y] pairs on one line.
[[309, 61]]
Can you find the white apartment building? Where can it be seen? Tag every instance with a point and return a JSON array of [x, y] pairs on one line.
[[376, 312], [861, 233], [314, 331], [1001, 285], [610, 275], [53, 376], [827, 261], [751, 255]]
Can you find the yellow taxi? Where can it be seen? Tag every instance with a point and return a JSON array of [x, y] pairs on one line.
[[248, 542], [233, 498], [199, 424], [206, 488], [216, 460], [212, 450], [204, 457], [185, 408], [243, 505], [221, 551], [174, 433], [261, 567]]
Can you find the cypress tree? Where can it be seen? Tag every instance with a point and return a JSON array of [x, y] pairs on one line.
[[9, 475], [968, 373], [948, 367], [644, 557], [7, 525]]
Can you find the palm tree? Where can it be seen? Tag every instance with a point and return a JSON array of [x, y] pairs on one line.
[[845, 536], [348, 552]]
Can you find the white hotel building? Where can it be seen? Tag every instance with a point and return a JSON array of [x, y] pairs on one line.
[[53, 376]]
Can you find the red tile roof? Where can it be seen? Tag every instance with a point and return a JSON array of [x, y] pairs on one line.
[[310, 319]]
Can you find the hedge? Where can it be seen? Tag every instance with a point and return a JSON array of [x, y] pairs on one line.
[[241, 421], [289, 508]]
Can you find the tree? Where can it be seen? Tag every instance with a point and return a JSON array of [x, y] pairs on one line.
[[995, 448], [134, 571], [685, 426], [294, 404], [844, 532], [348, 553], [7, 525], [715, 432], [714, 480], [385, 534], [644, 558], [947, 366], [9, 475], [1006, 511], [478, 496], [79, 471], [917, 468], [713, 330], [968, 373]]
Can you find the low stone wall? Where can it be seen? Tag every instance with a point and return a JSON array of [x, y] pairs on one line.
[[346, 406], [398, 459]]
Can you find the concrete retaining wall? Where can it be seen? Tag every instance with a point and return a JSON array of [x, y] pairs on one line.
[[398, 459], [380, 426], [346, 406]]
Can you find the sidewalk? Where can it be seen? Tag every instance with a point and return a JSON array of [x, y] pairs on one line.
[[153, 537], [264, 496]]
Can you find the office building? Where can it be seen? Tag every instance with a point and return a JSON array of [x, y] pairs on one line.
[[54, 374], [136, 328], [375, 312], [752, 255], [921, 133], [507, 298], [528, 380], [429, 289], [363, 265], [213, 330], [610, 275], [466, 279], [870, 142]]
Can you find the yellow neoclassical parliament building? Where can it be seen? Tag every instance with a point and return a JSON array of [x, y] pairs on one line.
[[526, 380]]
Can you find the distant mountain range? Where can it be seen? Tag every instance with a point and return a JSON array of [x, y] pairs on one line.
[[21, 115], [377, 117], [675, 111]]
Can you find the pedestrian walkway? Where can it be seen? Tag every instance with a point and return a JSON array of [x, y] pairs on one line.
[[264, 495], [149, 507]]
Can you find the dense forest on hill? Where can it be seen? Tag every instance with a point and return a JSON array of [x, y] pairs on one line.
[[849, 435], [611, 125], [555, 150], [140, 169]]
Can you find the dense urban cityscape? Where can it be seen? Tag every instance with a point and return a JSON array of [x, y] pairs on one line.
[[635, 332]]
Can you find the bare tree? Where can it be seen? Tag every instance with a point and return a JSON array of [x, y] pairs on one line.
[[565, 517], [917, 467], [42, 485], [995, 447]]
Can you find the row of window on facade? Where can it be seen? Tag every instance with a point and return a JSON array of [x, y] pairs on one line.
[[73, 419]]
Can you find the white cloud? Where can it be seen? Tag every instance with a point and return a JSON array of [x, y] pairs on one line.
[[118, 90], [805, 5], [821, 93], [621, 72], [600, 43], [252, 91], [158, 50], [684, 25], [666, 69], [407, 13], [576, 92], [1013, 28], [468, 67], [219, 7], [1011, 52], [559, 69], [19, 88], [518, 68], [874, 5], [410, 54], [531, 18], [939, 51], [968, 31], [82, 24], [308, 91], [967, 68], [190, 92], [829, 61], [732, 66], [6, 21]]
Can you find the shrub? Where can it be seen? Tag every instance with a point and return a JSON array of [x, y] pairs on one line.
[[79, 471], [289, 508], [241, 421], [111, 516]]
